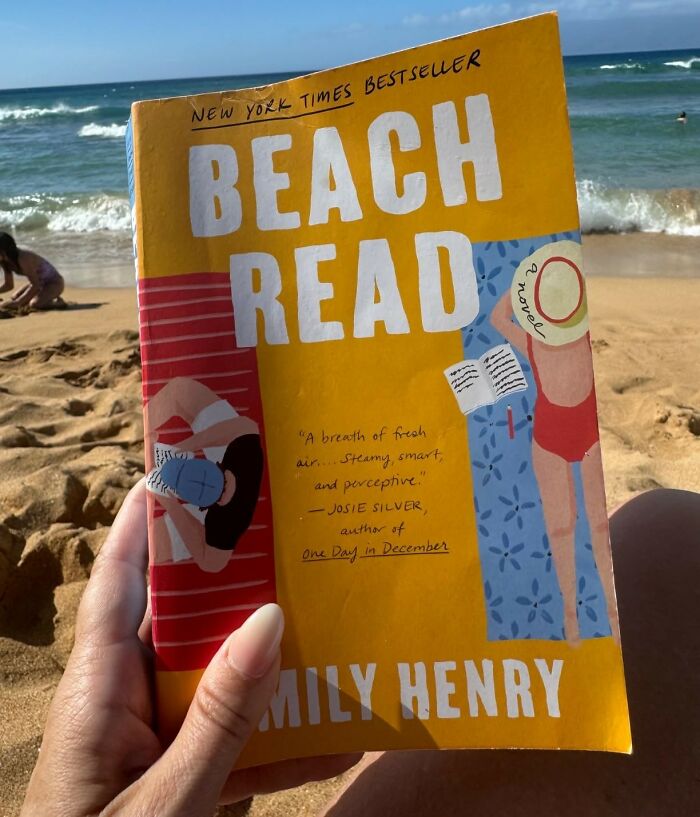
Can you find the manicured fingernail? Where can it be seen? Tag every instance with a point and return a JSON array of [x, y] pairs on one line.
[[252, 648]]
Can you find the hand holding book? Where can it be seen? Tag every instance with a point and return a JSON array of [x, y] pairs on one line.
[[103, 700]]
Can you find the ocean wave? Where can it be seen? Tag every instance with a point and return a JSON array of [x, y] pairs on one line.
[[112, 131], [683, 63], [60, 109], [611, 210], [624, 65], [601, 208], [71, 214]]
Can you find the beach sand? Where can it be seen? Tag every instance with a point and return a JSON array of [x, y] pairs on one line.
[[71, 446]]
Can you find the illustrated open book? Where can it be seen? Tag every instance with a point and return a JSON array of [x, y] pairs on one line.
[[332, 272], [162, 454], [482, 382]]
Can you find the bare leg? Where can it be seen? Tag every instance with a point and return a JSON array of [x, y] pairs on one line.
[[210, 559], [180, 397], [13, 304], [656, 546], [594, 498], [161, 538], [556, 486], [20, 292], [46, 298]]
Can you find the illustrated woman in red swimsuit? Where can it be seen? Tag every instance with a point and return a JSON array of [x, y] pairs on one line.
[[565, 431]]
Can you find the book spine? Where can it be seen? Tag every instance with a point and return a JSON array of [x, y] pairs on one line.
[[131, 169], [188, 347], [187, 336]]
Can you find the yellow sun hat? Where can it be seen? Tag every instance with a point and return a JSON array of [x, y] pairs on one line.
[[549, 294]]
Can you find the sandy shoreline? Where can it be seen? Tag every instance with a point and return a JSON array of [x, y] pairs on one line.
[[99, 259], [71, 445], [645, 255]]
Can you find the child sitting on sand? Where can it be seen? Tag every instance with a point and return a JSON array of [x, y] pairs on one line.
[[45, 282]]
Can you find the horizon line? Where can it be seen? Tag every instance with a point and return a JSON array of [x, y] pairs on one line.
[[289, 73]]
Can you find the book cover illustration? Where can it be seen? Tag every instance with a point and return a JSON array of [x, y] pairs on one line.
[[368, 395]]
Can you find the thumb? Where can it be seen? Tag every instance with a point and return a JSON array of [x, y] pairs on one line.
[[229, 702]]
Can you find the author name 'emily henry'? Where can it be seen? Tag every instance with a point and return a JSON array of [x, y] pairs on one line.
[[443, 689]]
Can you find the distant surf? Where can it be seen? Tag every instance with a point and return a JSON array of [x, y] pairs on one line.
[[638, 169], [650, 63], [684, 63], [622, 65], [19, 114], [113, 131]]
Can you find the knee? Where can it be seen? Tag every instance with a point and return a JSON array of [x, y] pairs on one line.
[[562, 530], [561, 522], [178, 383], [656, 551], [598, 524], [656, 543], [665, 512]]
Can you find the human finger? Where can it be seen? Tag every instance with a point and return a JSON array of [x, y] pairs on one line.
[[146, 626], [284, 775], [228, 704], [114, 601]]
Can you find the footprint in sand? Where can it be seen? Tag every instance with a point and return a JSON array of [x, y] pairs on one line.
[[678, 419], [48, 430], [642, 482], [19, 437], [622, 386], [102, 430], [70, 348], [105, 375], [128, 335], [81, 378], [78, 408], [10, 357]]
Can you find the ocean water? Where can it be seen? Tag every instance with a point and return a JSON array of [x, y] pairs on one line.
[[637, 168], [63, 171]]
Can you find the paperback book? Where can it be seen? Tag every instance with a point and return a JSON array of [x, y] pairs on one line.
[[368, 396]]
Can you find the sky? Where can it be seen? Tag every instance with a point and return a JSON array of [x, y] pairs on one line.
[[45, 42]]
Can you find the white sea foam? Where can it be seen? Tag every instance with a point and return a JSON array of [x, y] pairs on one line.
[[604, 209], [683, 63], [81, 214], [34, 113], [97, 213], [620, 65], [112, 131]]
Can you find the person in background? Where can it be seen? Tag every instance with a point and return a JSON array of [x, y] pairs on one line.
[[682, 117], [44, 283]]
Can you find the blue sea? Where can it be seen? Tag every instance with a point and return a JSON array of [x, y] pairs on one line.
[[63, 172]]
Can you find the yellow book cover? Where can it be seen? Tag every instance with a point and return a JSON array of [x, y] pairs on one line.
[[368, 394]]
